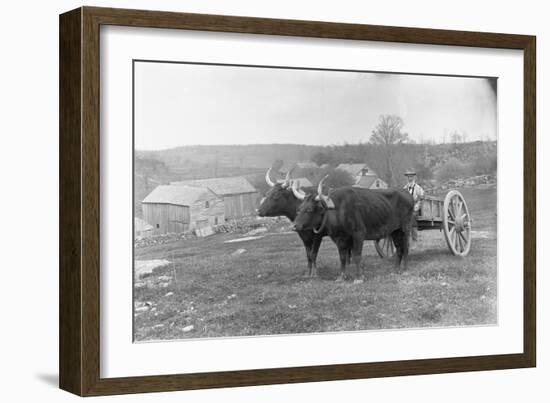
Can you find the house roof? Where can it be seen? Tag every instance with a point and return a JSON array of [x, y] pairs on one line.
[[365, 181], [178, 195], [304, 182], [221, 186], [353, 169]]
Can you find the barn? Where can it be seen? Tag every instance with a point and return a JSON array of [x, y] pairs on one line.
[[239, 197], [170, 208]]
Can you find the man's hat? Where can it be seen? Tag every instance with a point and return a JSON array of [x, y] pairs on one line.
[[410, 172]]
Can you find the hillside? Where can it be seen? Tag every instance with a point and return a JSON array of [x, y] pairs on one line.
[[431, 161]]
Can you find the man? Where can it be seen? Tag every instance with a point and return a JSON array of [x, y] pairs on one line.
[[417, 193]]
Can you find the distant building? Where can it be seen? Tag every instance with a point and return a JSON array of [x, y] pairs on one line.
[[364, 176], [142, 228], [240, 198], [178, 208]]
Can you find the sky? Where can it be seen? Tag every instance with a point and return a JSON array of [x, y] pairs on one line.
[[186, 104]]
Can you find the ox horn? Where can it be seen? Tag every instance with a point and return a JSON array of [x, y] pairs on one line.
[[298, 193], [320, 195], [287, 177], [268, 179]]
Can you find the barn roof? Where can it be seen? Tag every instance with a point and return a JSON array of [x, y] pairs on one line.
[[353, 169], [179, 195], [222, 186]]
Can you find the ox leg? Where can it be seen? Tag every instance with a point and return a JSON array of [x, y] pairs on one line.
[[309, 261], [397, 237], [313, 255], [357, 252], [343, 252], [405, 249]]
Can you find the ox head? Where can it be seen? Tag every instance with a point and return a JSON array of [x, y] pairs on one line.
[[279, 199], [312, 212]]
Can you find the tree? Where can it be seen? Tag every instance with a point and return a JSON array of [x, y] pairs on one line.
[[387, 135], [336, 178], [320, 158], [455, 137]]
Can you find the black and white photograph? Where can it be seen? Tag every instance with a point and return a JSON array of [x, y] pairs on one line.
[[273, 200]]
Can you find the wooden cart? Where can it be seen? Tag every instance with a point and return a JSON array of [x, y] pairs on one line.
[[449, 215]]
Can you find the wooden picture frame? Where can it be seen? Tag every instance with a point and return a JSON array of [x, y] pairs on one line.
[[79, 281]]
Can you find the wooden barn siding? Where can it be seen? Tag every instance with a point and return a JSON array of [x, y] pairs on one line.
[[170, 218], [204, 216], [174, 218], [240, 205]]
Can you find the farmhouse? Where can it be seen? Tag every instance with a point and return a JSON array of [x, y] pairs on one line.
[[240, 198], [364, 176], [170, 208]]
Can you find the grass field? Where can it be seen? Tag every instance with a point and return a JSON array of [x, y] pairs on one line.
[[208, 290]]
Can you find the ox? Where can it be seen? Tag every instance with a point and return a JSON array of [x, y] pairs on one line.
[[351, 215], [280, 200]]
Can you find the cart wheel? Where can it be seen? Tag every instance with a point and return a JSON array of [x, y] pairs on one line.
[[457, 223], [385, 247]]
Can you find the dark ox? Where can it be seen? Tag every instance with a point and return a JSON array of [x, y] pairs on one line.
[[280, 200], [351, 215]]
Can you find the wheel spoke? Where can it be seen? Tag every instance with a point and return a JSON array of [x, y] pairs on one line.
[[458, 208], [463, 238], [450, 210], [450, 225], [459, 244], [452, 234]]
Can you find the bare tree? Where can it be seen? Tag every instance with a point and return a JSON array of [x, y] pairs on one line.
[[455, 137], [387, 134]]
